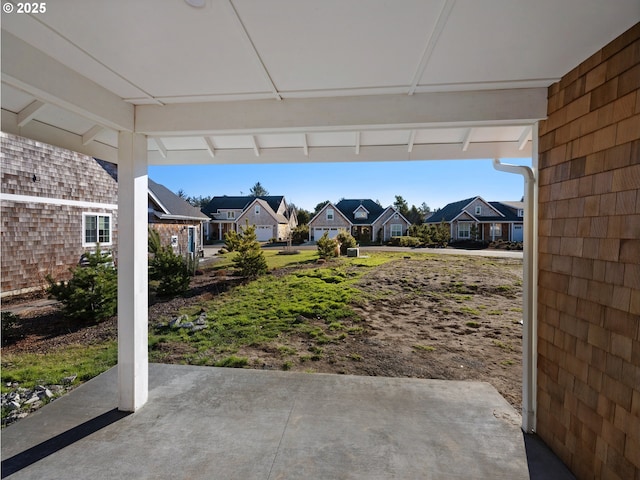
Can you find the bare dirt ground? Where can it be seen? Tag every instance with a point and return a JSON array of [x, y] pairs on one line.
[[422, 316]]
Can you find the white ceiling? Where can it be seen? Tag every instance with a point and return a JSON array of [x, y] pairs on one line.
[[296, 80]]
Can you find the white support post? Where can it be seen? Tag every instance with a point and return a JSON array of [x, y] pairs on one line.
[[133, 362], [530, 291]]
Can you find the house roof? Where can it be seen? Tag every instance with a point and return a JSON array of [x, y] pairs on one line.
[[449, 212], [173, 207], [348, 207], [269, 209], [225, 202]]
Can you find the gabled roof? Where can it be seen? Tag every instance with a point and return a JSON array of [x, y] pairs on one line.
[[278, 217], [225, 202], [391, 216], [450, 211], [172, 206], [348, 208], [324, 209], [505, 211]]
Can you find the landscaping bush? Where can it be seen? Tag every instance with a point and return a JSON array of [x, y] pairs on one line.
[[346, 240], [327, 247], [405, 241], [172, 271], [300, 234], [431, 235], [9, 327], [92, 292], [250, 260]]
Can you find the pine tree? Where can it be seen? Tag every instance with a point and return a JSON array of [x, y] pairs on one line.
[[249, 260]]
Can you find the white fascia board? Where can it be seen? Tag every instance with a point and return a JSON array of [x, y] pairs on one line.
[[30, 70], [383, 153], [366, 112], [44, 133], [391, 217]]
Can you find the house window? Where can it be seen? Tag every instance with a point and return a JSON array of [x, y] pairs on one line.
[[257, 210], [496, 230], [231, 215], [396, 230], [464, 230], [478, 210], [329, 213], [97, 229], [520, 212], [360, 214]]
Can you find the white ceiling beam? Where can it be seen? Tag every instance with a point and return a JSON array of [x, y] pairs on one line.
[[467, 140], [161, 146], [357, 143], [372, 153], [524, 137], [256, 147], [55, 136], [210, 146], [29, 112], [233, 13], [431, 44], [91, 134], [305, 145], [28, 69], [423, 110], [412, 138]]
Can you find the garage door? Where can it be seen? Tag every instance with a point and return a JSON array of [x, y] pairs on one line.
[[264, 233], [517, 233], [319, 231]]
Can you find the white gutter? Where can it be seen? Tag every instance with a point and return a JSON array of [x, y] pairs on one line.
[[530, 291]]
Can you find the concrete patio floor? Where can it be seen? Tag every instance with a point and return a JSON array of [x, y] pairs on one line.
[[215, 423]]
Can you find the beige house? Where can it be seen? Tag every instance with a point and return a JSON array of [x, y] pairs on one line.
[[366, 220], [271, 216]]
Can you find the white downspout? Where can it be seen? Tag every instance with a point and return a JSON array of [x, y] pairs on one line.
[[530, 293]]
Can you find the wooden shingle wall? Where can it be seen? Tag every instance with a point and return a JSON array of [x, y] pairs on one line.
[[44, 237], [589, 271]]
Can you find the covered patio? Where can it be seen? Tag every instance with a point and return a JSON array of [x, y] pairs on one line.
[[215, 423], [237, 81]]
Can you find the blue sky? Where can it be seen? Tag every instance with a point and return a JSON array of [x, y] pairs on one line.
[[434, 182]]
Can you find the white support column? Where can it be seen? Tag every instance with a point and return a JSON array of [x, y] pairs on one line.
[[133, 362]]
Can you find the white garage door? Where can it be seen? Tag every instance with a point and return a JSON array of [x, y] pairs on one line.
[[319, 231], [264, 233]]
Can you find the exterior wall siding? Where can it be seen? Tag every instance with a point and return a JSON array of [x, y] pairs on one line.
[[180, 230], [44, 237], [589, 265]]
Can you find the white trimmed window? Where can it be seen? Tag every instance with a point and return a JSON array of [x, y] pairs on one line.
[[464, 230], [478, 210], [520, 212], [360, 214], [257, 210], [96, 229], [330, 213], [396, 229], [496, 230], [231, 215]]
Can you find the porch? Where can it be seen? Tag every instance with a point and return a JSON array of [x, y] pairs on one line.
[[205, 422]]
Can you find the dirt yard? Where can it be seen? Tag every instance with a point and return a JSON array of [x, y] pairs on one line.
[[443, 317]]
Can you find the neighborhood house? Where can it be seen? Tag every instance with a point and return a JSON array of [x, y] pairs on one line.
[[365, 219], [271, 216], [57, 204], [477, 219]]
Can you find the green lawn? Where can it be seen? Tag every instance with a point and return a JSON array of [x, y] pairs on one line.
[[262, 311]]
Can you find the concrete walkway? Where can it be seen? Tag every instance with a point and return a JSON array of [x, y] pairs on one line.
[[214, 423]]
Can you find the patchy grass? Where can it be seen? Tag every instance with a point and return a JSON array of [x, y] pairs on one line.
[[274, 306], [85, 361], [424, 348]]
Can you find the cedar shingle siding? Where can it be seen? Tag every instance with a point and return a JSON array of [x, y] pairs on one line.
[[589, 269], [42, 235]]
